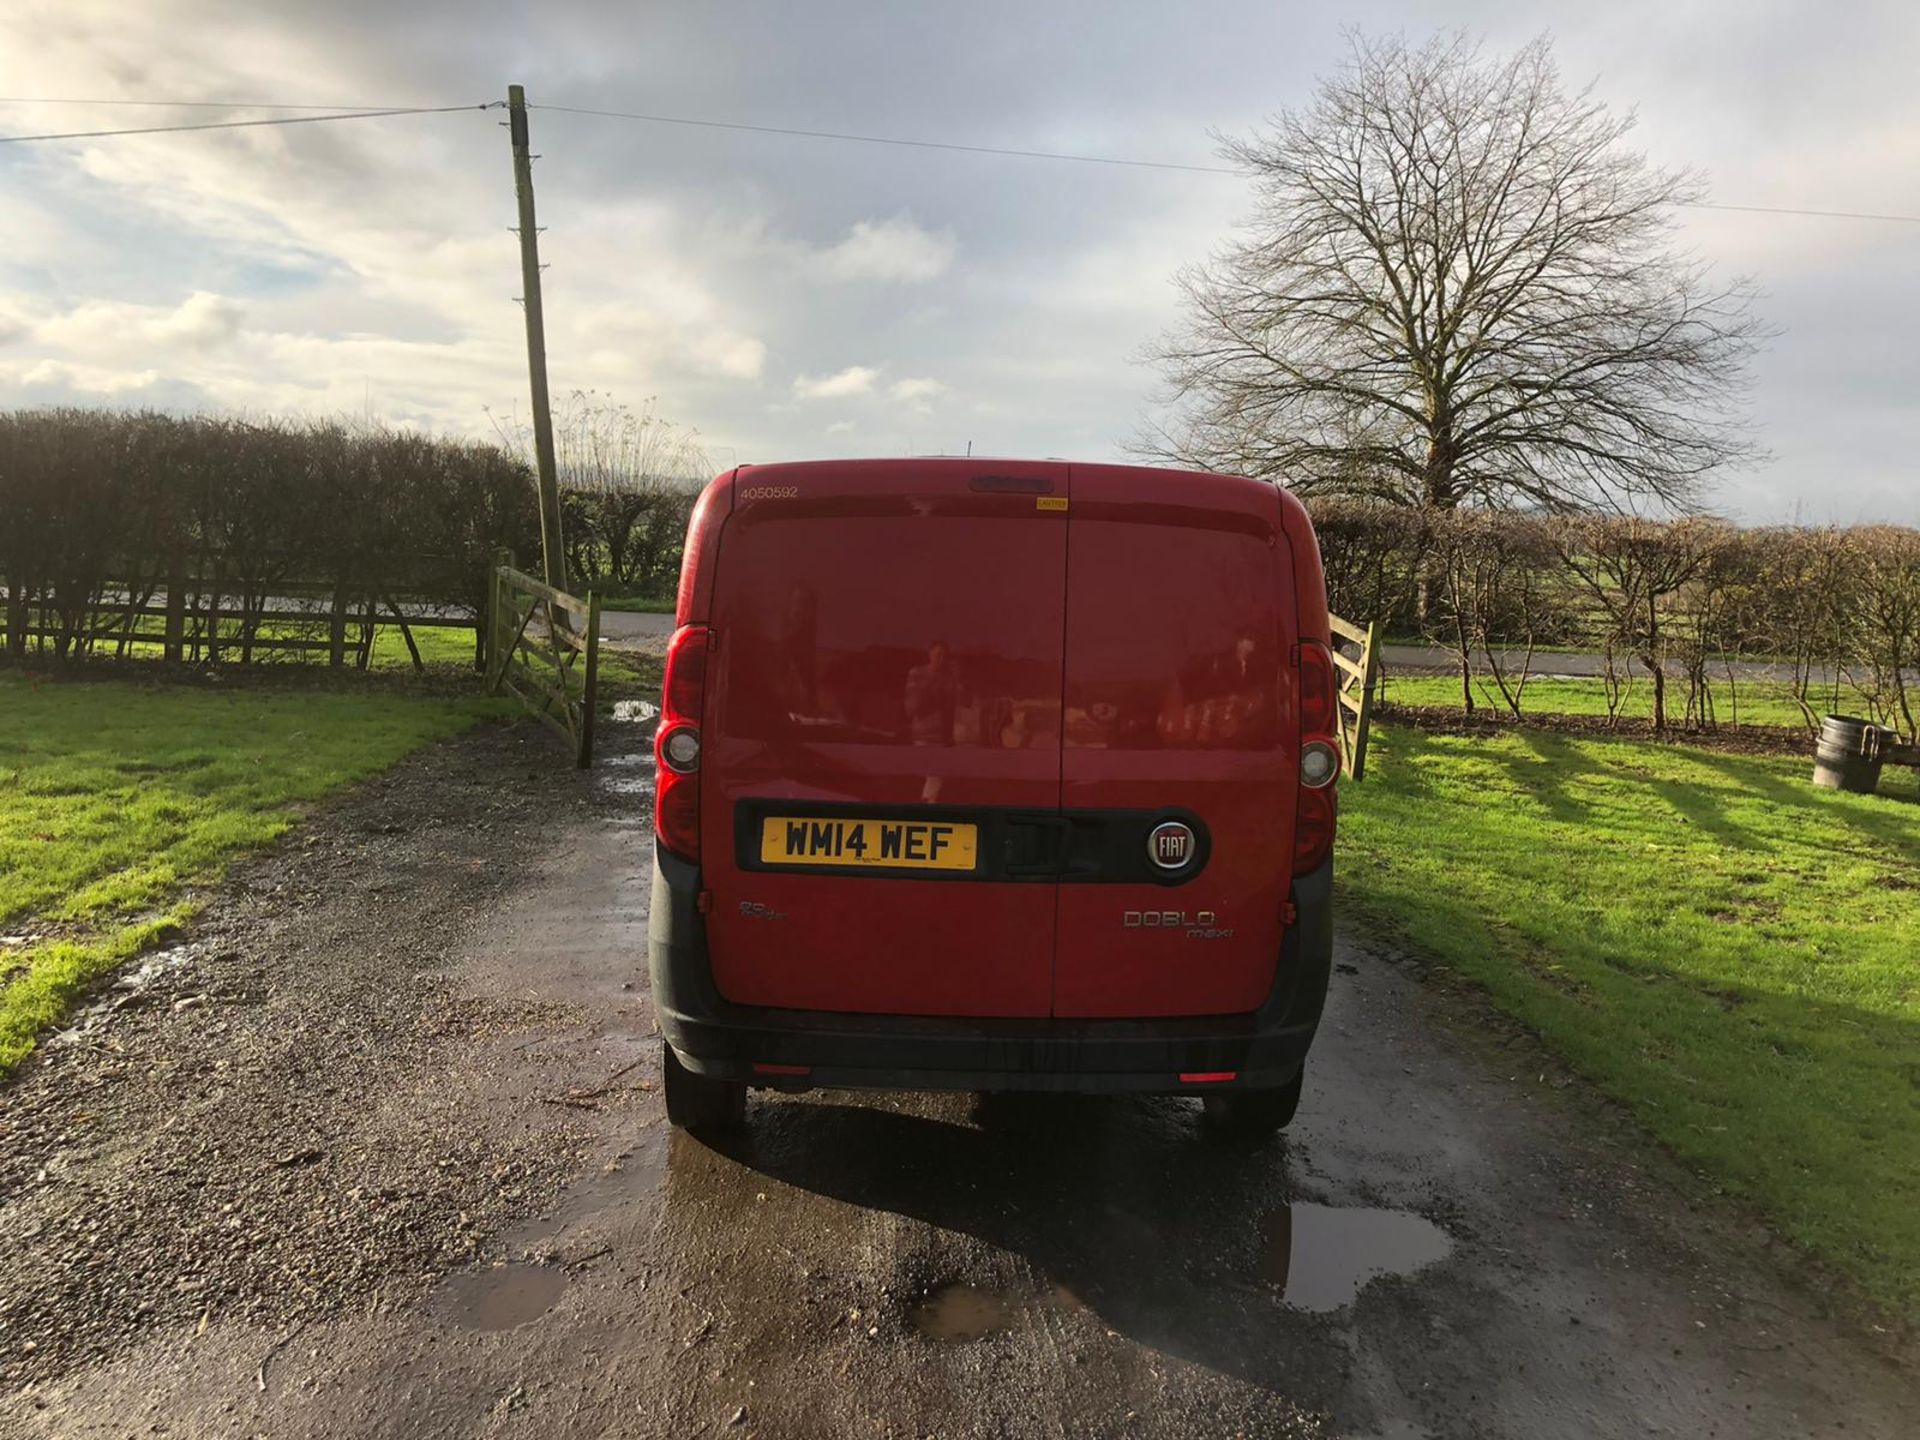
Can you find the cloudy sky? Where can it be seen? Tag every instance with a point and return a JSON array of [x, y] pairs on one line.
[[793, 297]]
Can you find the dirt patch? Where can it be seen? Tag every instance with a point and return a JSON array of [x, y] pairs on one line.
[[288, 1116]]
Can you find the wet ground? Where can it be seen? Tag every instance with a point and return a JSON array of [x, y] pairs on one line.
[[417, 1182]]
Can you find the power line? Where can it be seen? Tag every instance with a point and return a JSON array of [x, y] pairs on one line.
[[1108, 159], [244, 124], [191, 104], [893, 140], [342, 112], [1792, 210]]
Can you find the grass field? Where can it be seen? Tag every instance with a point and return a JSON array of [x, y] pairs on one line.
[[1755, 702], [116, 795], [1724, 949]]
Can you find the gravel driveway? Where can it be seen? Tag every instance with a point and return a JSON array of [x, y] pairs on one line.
[[378, 1152]]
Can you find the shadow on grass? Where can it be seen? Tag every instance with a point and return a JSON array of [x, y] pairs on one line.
[[1552, 761], [1550, 768]]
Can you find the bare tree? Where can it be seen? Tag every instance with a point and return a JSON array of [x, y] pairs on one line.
[[628, 480], [1459, 284], [602, 445]]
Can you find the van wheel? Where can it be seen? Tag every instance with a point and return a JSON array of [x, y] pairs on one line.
[[1254, 1114], [700, 1103]]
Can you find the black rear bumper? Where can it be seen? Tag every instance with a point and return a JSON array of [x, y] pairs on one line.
[[715, 1037]]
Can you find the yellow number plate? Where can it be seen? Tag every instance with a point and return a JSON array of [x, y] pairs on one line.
[[868, 844]]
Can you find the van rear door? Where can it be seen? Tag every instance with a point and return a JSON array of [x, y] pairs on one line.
[[880, 784], [1179, 707]]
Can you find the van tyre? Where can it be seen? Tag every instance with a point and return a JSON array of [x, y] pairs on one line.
[[700, 1103], [1254, 1114]]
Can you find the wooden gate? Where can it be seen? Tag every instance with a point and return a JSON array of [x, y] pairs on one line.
[[543, 645], [1358, 674]]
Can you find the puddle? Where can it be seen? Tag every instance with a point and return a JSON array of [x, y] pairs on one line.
[[1319, 1256], [504, 1296], [634, 711], [958, 1313]]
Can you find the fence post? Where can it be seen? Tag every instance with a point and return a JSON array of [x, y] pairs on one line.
[[489, 625], [337, 626], [16, 618], [367, 623], [1368, 664], [176, 622], [216, 587], [590, 684], [496, 622]]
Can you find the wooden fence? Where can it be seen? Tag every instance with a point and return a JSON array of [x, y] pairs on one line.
[[1358, 675], [555, 677], [192, 621]]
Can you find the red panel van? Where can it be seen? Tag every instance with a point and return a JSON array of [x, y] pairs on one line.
[[994, 775]]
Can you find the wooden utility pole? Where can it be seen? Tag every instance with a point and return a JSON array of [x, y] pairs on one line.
[[552, 551]]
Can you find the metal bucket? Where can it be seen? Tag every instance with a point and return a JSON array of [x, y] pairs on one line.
[[1850, 753]]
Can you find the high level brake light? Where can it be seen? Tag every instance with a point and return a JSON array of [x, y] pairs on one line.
[[676, 744], [1317, 807]]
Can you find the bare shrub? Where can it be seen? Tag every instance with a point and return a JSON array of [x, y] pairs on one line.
[[1374, 555], [1630, 567], [1887, 615]]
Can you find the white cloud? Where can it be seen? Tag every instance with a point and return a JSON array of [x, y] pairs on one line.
[[107, 330], [84, 379], [369, 266], [854, 380], [841, 427], [714, 351], [917, 393], [891, 251]]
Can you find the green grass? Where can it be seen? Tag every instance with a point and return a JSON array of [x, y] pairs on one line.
[[438, 645], [1724, 949], [115, 796], [1756, 702]]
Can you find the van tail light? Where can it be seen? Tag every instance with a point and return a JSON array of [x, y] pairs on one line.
[[676, 744], [1317, 807]]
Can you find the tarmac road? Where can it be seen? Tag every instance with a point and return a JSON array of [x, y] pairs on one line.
[[406, 1156]]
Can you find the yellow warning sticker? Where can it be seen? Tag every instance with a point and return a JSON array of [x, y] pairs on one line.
[[1050, 502]]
